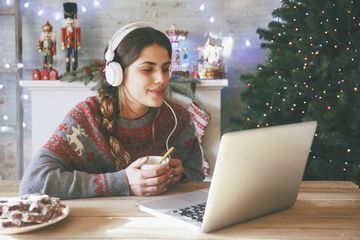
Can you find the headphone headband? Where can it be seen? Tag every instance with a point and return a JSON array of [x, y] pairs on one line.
[[122, 32], [113, 70]]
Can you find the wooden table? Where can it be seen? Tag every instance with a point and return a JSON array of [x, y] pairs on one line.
[[324, 210]]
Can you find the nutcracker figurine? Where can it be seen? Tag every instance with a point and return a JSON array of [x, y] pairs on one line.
[[47, 45], [70, 36]]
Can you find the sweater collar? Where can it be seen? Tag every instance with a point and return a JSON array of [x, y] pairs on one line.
[[139, 122]]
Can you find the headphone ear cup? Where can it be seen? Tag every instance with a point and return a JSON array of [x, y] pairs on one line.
[[114, 74]]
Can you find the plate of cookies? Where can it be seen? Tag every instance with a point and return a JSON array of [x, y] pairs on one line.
[[30, 212]]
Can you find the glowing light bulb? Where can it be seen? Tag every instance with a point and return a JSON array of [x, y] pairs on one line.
[[247, 42], [5, 117], [20, 65], [83, 9], [202, 7], [96, 3], [212, 19], [57, 16], [40, 12], [26, 4]]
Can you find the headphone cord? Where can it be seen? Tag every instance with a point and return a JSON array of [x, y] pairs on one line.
[[175, 125]]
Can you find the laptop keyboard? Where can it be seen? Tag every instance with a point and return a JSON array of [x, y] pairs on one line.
[[193, 213]]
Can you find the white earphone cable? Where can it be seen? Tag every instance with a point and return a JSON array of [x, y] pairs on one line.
[[175, 125]]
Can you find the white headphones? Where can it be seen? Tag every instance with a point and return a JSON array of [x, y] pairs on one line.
[[113, 70]]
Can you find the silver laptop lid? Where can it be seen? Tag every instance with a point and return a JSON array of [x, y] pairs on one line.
[[257, 172]]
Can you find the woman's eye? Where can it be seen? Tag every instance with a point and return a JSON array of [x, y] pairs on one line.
[[166, 69], [147, 70]]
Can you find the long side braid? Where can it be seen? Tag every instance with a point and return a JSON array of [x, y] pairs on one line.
[[107, 97]]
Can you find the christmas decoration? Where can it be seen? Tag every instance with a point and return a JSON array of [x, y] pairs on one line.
[[47, 45], [312, 73], [200, 119], [87, 74], [179, 61], [210, 60], [70, 36], [36, 75], [45, 74], [53, 74]]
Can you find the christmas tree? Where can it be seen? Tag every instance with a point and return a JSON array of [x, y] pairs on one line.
[[312, 72]]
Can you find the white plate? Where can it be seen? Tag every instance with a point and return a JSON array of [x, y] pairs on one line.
[[15, 230]]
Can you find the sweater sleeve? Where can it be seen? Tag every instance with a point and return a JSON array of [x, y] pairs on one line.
[[75, 162], [188, 150], [47, 174], [193, 165]]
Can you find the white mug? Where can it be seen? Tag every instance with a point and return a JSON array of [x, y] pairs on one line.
[[153, 161]]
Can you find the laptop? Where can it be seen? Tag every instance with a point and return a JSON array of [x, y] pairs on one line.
[[257, 172]]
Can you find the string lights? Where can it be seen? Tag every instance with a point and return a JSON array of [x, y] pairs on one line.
[[327, 98]]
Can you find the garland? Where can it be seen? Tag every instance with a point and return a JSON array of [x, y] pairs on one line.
[[95, 72]]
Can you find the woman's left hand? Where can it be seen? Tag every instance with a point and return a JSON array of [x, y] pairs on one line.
[[176, 170]]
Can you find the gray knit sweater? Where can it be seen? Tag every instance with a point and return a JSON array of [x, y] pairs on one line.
[[76, 162]]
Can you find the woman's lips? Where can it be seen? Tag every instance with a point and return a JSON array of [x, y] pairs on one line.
[[158, 92]]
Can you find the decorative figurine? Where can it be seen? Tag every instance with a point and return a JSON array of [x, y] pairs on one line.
[[47, 45], [210, 60], [45, 74], [70, 36], [179, 62], [36, 75], [53, 74]]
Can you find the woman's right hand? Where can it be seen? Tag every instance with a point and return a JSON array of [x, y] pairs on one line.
[[147, 182]]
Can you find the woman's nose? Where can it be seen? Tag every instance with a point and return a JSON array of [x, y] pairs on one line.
[[161, 77]]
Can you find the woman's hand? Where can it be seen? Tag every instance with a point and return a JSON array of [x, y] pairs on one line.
[[176, 170], [147, 182]]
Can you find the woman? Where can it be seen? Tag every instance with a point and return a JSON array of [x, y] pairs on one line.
[[102, 143]]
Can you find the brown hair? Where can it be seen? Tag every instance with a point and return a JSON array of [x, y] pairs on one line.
[[126, 53]]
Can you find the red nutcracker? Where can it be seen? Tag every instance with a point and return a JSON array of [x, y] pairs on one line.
[[70, 36], [47, 45]]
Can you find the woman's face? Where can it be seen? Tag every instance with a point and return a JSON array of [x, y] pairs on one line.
[[146, 80]]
